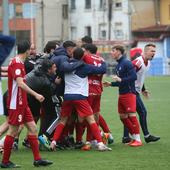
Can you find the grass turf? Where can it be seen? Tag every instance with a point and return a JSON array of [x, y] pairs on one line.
[[149, 156]]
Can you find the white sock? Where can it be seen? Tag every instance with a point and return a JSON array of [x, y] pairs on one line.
[[137, 137], [110, 136]]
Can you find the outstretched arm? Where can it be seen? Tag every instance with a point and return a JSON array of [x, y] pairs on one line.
[[67, 66]]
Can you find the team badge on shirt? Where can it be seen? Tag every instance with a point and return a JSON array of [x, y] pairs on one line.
[[17, 72]]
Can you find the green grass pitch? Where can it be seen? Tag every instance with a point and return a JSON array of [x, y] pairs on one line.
[[152, 156]]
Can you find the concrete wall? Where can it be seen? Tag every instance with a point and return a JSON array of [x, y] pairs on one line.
[[142, 13], [165, 12], [50, 25]]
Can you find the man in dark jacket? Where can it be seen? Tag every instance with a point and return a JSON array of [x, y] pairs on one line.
[[125, 79], [6, 45], [61, 56], [40, 79]]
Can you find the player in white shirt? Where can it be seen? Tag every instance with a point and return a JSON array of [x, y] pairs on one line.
[[142, 65]]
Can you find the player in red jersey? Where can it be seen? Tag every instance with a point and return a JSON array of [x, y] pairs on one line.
[[19, 112], [95, 86]]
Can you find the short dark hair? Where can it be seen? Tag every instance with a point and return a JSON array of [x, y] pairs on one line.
[[23, 46], [150, 45], [120, 48], [67, 44], [46, 64], [87, 39], [90, 47], [78, 53], [51, 45]]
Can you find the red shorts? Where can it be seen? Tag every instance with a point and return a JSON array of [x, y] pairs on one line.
[[82, 108], [94, 101], [127, 103], [20, 116]]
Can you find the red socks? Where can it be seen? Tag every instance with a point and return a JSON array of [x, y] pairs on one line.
[[128, 124], [33, 141], [103, 124], [9, 140], [58, 131], [135, 123], [79, 131], [95, 132]]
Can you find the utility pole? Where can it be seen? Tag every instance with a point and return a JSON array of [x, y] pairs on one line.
[[157, 11], [130, 22], [5, 8], [110, 2], [32, 23], [42, 27]]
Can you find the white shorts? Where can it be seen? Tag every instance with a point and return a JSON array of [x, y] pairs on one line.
[[1, 101]]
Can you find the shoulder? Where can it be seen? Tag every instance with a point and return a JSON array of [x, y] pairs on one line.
[[138, 62]]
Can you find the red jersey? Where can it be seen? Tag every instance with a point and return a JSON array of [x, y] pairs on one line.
[[17, 98], [95, 81]]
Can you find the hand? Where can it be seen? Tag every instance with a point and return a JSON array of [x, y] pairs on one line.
[[146, 94], [39, 97], [57, 80], [116, 78], [53, 145], [106, 84]]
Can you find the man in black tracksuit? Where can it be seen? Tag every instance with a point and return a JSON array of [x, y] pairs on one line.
[[40, 79]]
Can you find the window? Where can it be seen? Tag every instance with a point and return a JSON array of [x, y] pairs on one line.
[[118, 34], [102, 31], [118, 4], [87, 4], [73, 33], [88, 31], [101, 4], [73, 4], [118, 24], [118, 30], [65, 11], [18, 10]]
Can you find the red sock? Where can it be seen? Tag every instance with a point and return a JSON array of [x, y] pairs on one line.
[[71, 128], [103, 124], [65, 131], [33, 141], [79, 131], [135, 123], [9, 140], [58, 131], [64, 134], [95, 132], [89, 136], [128, 124]]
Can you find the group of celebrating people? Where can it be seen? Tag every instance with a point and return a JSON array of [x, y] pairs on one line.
[[62, 87]]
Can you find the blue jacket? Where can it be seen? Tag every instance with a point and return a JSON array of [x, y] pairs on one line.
[[6, 45], [61, 59], [126, 72]]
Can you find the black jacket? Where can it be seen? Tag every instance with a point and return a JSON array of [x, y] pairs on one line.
[[40, 82]]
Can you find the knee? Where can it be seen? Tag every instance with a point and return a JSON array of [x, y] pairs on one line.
[[123, 116], [33, 130], [63, 120]]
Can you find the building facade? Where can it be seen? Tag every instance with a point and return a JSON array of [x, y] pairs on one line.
[[100, 19], [21, 19], [51, 21]]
